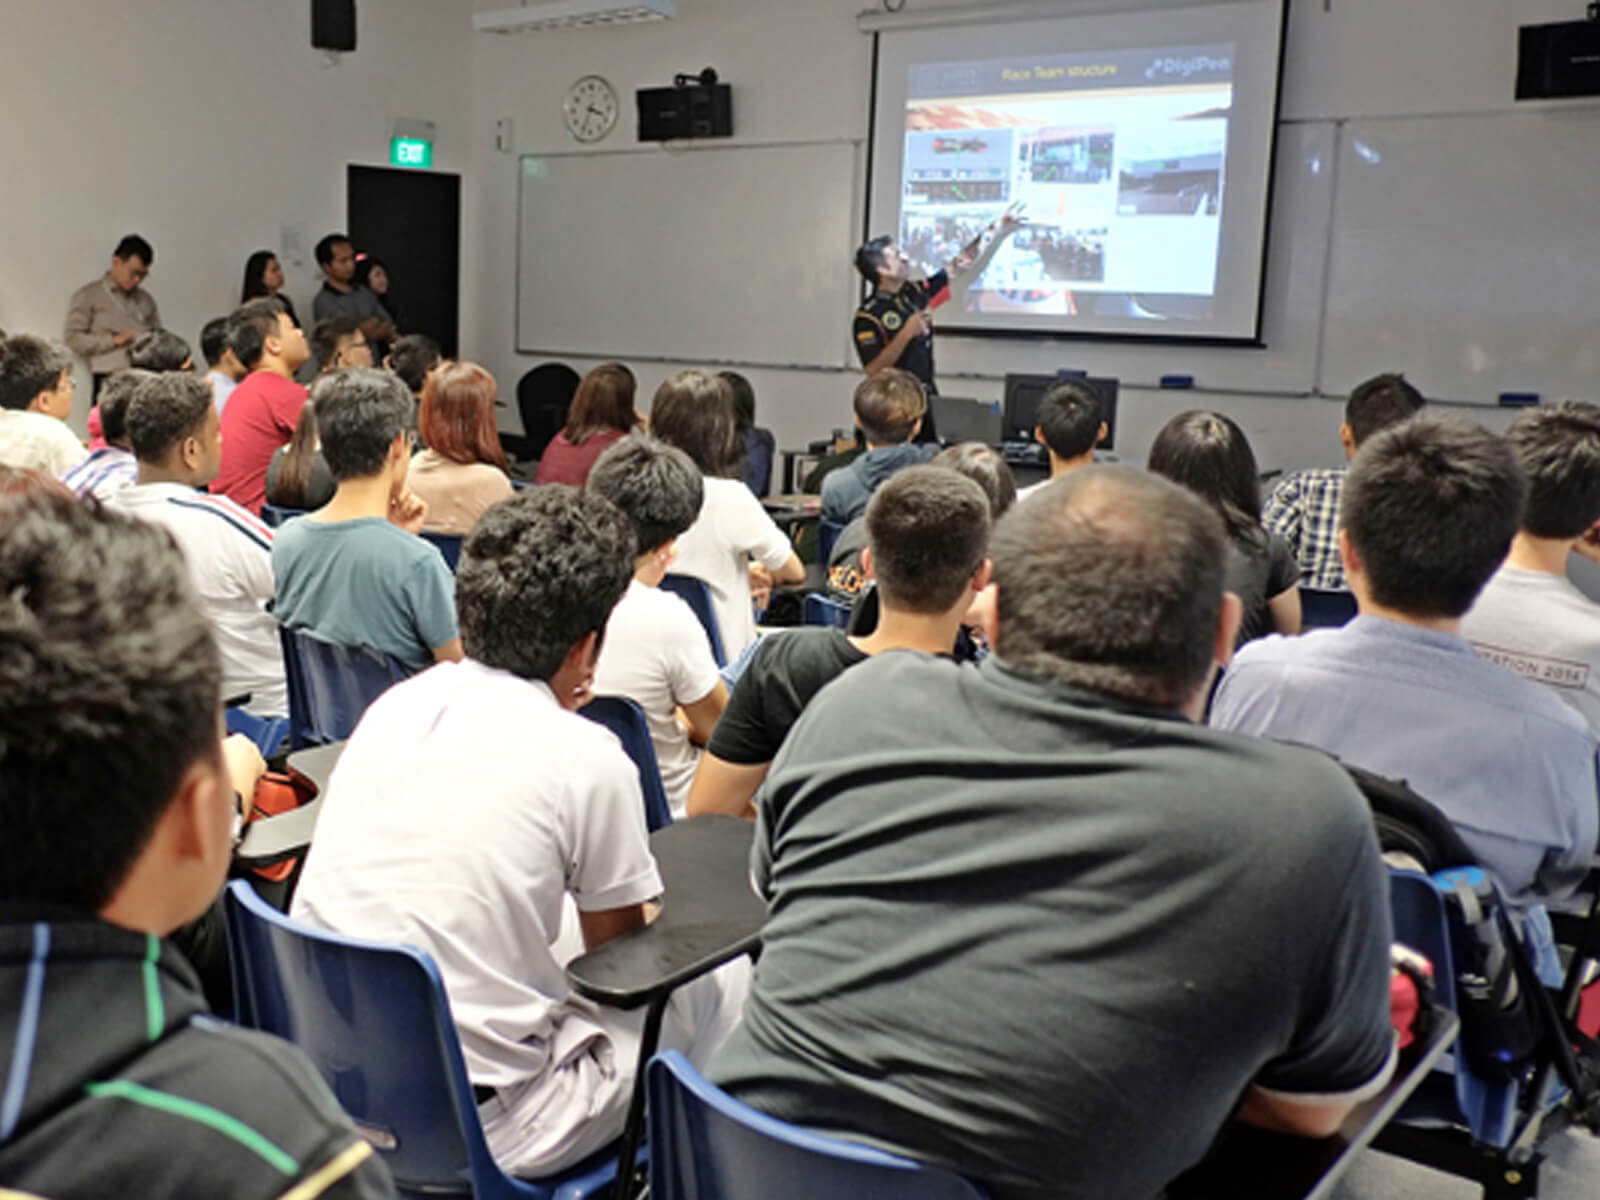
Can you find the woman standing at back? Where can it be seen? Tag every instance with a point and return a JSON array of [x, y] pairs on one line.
[[263, 276], [1209, 454], [463, 471], [601, 415]]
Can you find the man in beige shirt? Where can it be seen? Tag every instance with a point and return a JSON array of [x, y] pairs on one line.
[[105, 316]]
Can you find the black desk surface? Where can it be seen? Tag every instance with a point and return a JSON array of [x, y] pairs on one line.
[[708, 916], [1252, 1164], [316, 763]]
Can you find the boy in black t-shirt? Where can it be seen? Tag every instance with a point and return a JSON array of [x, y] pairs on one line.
[[927, 541]]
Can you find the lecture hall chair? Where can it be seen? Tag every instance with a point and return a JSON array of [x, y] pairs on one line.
[[697, 596], [626, 719], [330, 686]]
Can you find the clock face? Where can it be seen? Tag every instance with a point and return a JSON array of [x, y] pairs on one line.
[[590, 109]]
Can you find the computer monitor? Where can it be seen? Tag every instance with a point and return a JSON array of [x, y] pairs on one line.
[[1020, 415], [959, 419]]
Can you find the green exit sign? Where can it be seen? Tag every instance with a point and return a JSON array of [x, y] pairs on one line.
[[410, 152]]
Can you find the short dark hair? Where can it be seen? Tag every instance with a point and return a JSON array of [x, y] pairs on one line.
[[986, 468], [109, 684], [1070, 418], [869, 258], [116, 397], [249, 327], [1559, 449], [1431, 506], [888, 406], [1111, 578], [1209, 454], [167, 407], [214, 340], [538, 573], [412, 357], [360, 411], [159, 350], [134, 246], [1380, 402], [928, 529], [30, 365], [656, 486], [325, 245], [327, 335], [693, 410]]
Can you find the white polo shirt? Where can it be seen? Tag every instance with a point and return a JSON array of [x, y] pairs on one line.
[[732, 529], [229, 551], [467, 806]]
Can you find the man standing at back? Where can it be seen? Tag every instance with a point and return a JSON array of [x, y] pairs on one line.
[[340, 296], [107, 315], [263, 410], [1032, 923]]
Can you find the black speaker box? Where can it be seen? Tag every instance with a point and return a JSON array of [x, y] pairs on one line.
[[333, 24], [1558, 61], [694, 111]]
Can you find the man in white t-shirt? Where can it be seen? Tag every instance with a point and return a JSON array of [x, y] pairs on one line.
[[35, 401], [473, 801], [656, 652], [1529, 617], [172, 426]]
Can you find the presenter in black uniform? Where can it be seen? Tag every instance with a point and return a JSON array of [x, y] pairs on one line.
[[894, 326]]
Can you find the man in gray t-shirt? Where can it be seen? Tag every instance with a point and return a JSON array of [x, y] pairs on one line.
[[1030, 922], [339, 296]]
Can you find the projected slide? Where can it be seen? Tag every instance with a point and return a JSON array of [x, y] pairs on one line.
[[1119, 160]]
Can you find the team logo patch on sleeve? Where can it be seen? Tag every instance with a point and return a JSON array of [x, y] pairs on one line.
[[866, 335], [891, 321]]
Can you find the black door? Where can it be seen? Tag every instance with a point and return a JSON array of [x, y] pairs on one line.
[[412, 221]]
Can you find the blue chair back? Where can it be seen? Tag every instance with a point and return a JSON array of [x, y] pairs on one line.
[[268, 733], [697, 596], [823, 610], [1322, 608], [827, 534], [330, 686], [376, 1023], [705, 1145], [449, 545], [275, 516], [626, 719]]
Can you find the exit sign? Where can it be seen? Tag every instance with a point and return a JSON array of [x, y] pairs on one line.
[[410, 152]]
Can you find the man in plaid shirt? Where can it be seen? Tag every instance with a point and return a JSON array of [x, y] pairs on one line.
[[1304, 507]]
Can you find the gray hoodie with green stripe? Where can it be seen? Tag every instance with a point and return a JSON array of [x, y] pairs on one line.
[[115, 1082]]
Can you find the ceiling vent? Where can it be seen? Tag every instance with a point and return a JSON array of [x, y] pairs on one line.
[[570, 14]]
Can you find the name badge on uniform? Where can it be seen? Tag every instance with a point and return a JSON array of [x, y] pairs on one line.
[[891, 321]]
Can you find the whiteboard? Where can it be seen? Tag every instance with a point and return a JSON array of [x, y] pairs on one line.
[[1466, 251], [727, 254]]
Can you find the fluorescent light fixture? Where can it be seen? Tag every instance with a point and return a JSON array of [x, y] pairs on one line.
[[566, 14]]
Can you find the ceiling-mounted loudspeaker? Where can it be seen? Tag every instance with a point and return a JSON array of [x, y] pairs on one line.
[[333, 25]]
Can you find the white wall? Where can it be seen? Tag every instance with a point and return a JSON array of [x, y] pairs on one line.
[[205, 125], [801, 71]]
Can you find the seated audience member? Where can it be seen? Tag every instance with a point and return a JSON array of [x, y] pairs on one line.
[[223, 369], [340, 296], [927, 537], [463, 471], [1020, 827], [298, 476], [173, 427], [733, 545], [373, 274], [1210, 455], [889, 409], [413, 358], [757, 445], [337, 343], [602, 414], [1529, 617], [1069, 426], [354, 572], [655, 651], [1304, 507], [1427, 515], [112, 467], [262, 412], [126, 1085], [542, 805], [263, 277], [161, 350], [36, 389]]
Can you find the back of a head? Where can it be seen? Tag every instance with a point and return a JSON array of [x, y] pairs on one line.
[[693, 411], [457, 415], [116, 397], [928, 530], [159, 350], [166, 407], [360, 412], [327, 336], [985, 467], [604, 400], [1378, 403], [109, 685], [411, 358], [538, 573], [214, 340], [888, 406], [132, 245], [1111, 578], [1209, 454], [1559, 449], [249, 327], [744, 400], [657, 487], [1070, 418], [29, 365], [1431, 506]]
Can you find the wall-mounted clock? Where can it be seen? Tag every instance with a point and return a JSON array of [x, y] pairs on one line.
[[590, 109]]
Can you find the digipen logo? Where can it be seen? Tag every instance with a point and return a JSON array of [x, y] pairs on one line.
[[1183, 68]]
